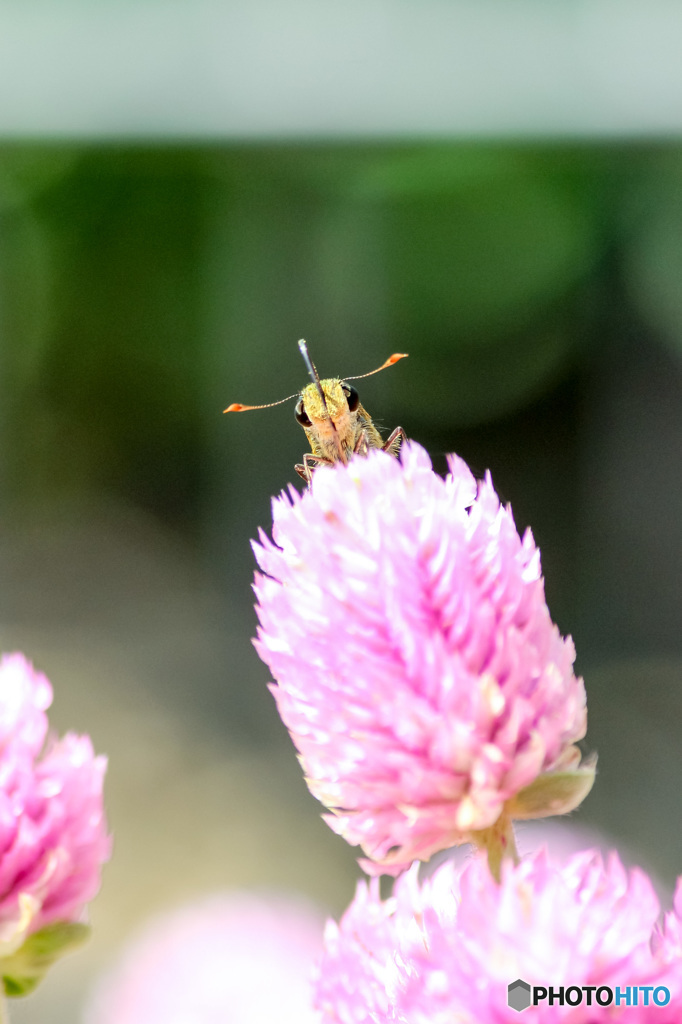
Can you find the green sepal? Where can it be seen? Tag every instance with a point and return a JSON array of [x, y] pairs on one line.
[[22, 971], [553, 793]]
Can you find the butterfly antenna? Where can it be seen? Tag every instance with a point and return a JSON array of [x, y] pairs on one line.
[[238, 407], [389, 362]]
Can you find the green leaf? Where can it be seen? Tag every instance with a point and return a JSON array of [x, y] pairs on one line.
[[22, 971], [553, 793]]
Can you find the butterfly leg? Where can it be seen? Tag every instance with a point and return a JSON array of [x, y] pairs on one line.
[[362, 444], [394, 441], [310, 461]]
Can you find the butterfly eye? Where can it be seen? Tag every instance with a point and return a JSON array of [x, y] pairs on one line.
[[352, 397], [301, 414]]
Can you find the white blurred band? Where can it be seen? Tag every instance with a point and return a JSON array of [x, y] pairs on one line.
[[270, 69]]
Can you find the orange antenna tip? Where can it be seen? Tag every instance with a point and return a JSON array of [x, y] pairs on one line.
[[238, 407], [389, 362]]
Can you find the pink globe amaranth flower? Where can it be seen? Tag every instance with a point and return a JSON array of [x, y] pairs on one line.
[[417, 667], [25, 696], [232, 958], [668, 938], [53, 836], [445, 951]]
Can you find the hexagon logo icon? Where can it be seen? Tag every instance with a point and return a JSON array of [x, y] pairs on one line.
[[518, 995]]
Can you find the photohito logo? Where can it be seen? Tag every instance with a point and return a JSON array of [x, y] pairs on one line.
[[520, 995]]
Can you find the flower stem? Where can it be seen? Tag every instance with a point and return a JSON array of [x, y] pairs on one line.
[[499, 843], [4, 1009]]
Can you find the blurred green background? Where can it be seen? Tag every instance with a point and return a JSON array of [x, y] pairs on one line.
[[537, 290]]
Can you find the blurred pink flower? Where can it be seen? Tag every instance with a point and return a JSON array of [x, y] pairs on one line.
[[668, 939], [445, 951], [228, 959], [53, 836], [417, 667]]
